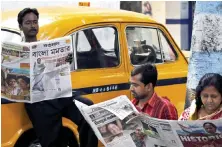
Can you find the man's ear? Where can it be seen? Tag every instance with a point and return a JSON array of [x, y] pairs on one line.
[[20, 27], [149, 86]]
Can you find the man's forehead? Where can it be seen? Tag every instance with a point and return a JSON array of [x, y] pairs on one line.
[[30, 16], [136, 77]]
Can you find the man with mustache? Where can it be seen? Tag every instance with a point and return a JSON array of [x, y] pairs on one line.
[[46, 116], [143, 81]]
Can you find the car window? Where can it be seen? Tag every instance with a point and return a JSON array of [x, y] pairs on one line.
[[143, 45], [12, 36], [96, 48], [168, 52], [106, 37], [82, 45]]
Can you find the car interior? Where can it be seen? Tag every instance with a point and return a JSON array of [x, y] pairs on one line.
[[97, 56]]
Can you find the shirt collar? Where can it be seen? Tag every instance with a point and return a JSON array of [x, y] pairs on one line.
[[151, 102]]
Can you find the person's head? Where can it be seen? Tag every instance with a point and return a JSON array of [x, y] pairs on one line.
[[147, 8], [11, 81], [210, 127], [113, 129], [23, 82], [209, 92], [143, 80], [102, 129], [28, 22], [39, 60]]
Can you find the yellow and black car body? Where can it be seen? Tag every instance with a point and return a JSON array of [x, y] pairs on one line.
[[107, 45]]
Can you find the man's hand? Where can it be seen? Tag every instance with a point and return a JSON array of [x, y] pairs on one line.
[[69, 58]]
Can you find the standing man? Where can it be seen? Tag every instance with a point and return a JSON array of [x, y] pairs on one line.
[[143, 81], [46, 116]]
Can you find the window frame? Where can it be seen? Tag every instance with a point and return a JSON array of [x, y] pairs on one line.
[[92, 27], [173, 49]]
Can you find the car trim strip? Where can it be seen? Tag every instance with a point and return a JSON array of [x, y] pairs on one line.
[[114, 87]]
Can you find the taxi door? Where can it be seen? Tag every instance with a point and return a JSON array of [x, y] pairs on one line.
[[163, 52], [99, 71]]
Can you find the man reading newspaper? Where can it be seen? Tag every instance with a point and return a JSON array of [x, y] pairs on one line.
[[143, 81], [48, 123]]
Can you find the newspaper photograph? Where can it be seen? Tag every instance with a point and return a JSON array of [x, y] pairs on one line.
[[32, 72], [207, 133], [140, 130], [15, 84], [15, 55], [156, 132]]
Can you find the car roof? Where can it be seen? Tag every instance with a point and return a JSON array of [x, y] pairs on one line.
[[60, 20]]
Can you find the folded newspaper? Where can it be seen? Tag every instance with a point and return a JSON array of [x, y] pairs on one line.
[[117, 123], [37, 71]]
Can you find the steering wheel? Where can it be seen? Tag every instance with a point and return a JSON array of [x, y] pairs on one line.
[[150, 58]]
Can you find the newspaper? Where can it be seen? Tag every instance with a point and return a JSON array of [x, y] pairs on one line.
[[37, 71], [122, 125]]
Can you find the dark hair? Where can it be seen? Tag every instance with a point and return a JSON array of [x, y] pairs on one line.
[[148, 72], [209, 79], [25, 11], [24, 78], [9, 77], [210, 124]]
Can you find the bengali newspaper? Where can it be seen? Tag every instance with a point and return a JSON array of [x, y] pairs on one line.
[[117, 123], [37, 71]]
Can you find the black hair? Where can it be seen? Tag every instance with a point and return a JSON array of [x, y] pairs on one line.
[[9, 77], [209, 79], [26, 79], [148, 72], [210, 124], [25, 11]]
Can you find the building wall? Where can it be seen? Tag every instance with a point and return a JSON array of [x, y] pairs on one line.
[[179, 22]]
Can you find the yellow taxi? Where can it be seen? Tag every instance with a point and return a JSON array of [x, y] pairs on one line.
[[107, 44]]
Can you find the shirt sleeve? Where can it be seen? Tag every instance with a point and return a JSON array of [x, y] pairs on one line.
[[185, 114]]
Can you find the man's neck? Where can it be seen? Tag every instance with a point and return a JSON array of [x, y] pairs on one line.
[[31, 39], [143, 101]]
